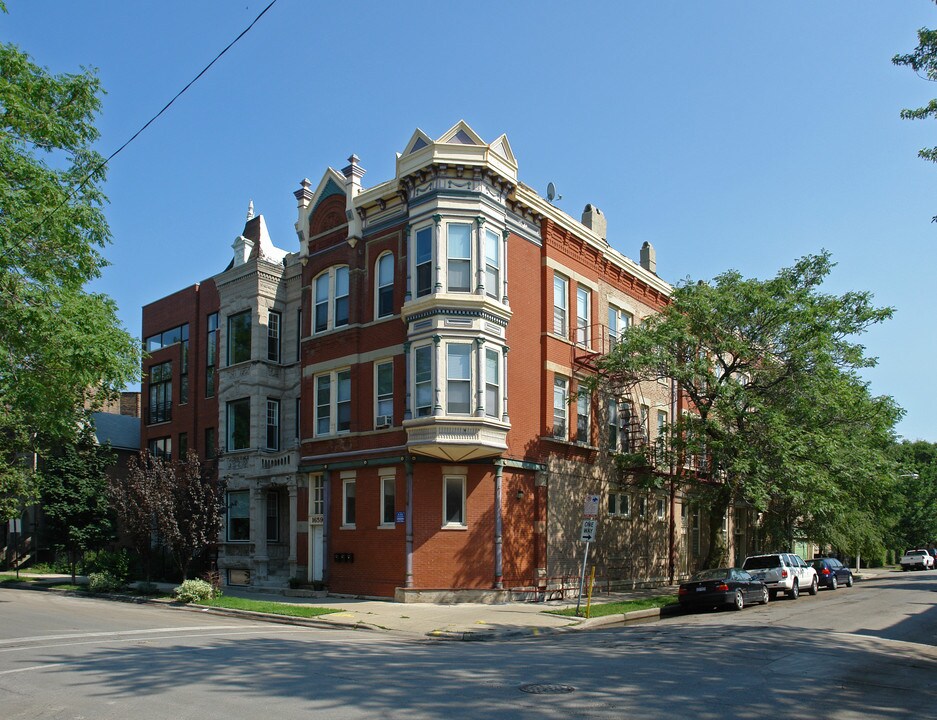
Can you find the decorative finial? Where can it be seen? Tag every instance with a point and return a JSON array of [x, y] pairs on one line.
[[250, 210]]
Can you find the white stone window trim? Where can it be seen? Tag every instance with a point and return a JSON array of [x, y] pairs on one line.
[[383, 420], [331, 299], [333, 376], [463, 525], [387, 475], [349, 482]]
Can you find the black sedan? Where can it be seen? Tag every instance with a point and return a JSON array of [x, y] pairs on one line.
[[721, 587], [831, 573]]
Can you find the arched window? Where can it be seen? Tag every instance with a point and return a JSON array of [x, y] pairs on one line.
[[385, 285]]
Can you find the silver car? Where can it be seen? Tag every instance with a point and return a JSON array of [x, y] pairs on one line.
[[783, 572]]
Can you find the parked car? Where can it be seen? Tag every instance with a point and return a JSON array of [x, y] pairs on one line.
[[783, 572], [933, 554], [919, 559], [720, 587], [831, 573]]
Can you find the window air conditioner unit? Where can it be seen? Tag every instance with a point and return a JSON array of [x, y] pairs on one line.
[[383, 421]]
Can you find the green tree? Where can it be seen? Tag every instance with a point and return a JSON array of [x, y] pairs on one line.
[[923, 60], [73, 489], [779, 414], [61, 345], [916, 497]]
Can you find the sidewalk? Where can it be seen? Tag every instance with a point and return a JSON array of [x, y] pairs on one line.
[[464, 621]]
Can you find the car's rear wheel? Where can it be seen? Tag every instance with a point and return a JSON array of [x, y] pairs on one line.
[[739, 600], [833, 583], [794, 592], [765, 596], [849, 580], [814, 586]]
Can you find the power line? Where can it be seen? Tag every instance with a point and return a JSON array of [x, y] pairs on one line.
[[100, 166]]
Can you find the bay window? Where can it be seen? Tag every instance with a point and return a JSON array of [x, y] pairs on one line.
[[492, 264], [459, 257], [459, 378], [424, 261], [239, 337], [239, 424], [423, 380], [492, 383]]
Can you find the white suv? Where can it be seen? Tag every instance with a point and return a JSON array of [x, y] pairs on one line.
[[782, 572]]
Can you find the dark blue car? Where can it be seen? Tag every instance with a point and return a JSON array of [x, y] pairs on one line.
[[831, 573]]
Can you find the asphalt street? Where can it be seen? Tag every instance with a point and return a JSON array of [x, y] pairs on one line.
[[863, 652]]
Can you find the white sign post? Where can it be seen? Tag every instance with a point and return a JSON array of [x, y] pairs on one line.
[[590, 512]]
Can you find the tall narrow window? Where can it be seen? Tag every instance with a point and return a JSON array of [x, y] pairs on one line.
[[299, 333], [211, 450], [239, 516], [388, 500], [239, 337], [348, 503], [560, 390], [560, 290], [492, 383], [160, 448], [321, 322], [458, 378], [613, 426], [618, 322], [384, 381], [626, 423], [273, 424], [184, 365], [343, 401], [273, 516], [423, 380], [211, 355], [661, 422], [459, 256], [453, 501], [183, 445], [341, 296], [385, 285], [645, 428], [583, 316], [298, 424], [492, 264], [582, 417], [323, 404], [160, 389], [424, 261], [318, 495], [239, 424], [273, 336]]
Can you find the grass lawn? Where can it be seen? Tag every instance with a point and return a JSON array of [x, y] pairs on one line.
[[264, 606], [4, 578], [618, 608]]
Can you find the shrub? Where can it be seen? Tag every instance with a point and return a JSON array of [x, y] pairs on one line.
[[112, 563], [147, 588], [102, 582], [194, 591]]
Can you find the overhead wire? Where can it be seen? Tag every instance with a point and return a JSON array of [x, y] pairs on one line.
[[100, 166]]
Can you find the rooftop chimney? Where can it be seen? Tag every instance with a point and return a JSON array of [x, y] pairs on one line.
[[593, 219], [649, 257]]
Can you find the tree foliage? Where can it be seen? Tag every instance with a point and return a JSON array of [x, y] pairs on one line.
[[73, 489], [177, 504], [779, 415], [60, 345], [923, 60], [916, 497]]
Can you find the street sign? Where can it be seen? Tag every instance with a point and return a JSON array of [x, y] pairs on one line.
[[588, 530], [401, 516], [591, 507]]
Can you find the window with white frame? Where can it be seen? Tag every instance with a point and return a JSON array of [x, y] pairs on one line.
[[318, 496], [459, 257], [385, 285], [273, 424], [492, 264], [618, 321], [642, 507], [614, 429], [619, 504], [384, 393], [273, 336], [583, 410], [424, 261], [238, 516], [583, 316], [492, 383], [388, 500], [348, 503], [661, 422], [645, 420], [333, 402], [423, 380], [661, 509], [239, 424], [458, 378], [560, 295], [453, 501], [330, 299], [560, 395]]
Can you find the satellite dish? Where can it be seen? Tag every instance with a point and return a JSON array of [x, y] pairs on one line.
[[551, 192]]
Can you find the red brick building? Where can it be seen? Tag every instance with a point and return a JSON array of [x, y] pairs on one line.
[[398, 399]]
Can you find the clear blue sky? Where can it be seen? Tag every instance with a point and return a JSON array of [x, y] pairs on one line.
[[728, 134]]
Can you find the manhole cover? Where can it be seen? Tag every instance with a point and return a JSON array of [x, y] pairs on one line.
[[546, 688]]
